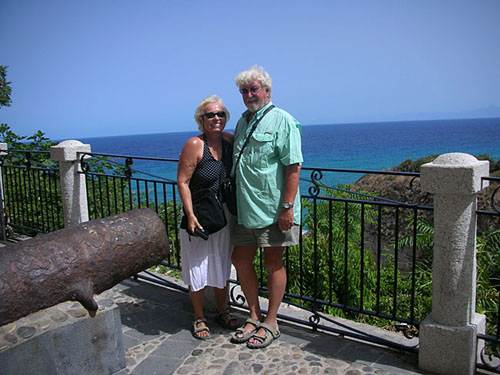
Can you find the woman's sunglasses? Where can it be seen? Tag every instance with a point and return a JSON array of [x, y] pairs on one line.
[[213, 114]]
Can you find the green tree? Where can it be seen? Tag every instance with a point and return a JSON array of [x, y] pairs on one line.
[[5, 89], [488, 277]]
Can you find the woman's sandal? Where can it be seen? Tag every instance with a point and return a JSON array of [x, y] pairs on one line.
[[197, 330], [241, 335], [266, 340], [229, 322]]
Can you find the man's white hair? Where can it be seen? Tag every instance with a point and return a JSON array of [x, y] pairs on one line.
[[254, 73]]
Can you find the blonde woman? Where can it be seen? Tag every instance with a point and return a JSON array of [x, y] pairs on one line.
[[206, 262]]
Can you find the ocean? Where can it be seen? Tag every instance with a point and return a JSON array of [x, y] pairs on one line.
[[360, 146]]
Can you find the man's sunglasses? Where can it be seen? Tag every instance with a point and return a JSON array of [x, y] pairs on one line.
[[213, 114], [253, 90]]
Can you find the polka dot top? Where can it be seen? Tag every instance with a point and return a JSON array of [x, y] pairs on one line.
[[207, 172]]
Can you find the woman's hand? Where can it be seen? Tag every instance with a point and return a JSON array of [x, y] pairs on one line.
[[192, 223]]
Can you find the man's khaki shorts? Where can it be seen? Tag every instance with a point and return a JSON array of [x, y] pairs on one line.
[[271, 236]]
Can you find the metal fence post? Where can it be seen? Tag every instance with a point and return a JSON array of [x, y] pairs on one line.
[[73, 185], [448, 342]]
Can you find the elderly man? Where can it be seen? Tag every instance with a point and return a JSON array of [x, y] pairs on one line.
[[267, 161]]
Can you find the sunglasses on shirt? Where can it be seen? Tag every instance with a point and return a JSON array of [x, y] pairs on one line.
[[213, 114]]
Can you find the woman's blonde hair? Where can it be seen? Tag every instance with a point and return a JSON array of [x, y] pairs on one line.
[[200, 110]]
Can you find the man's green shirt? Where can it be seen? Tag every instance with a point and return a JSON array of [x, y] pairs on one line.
[[260, 173]]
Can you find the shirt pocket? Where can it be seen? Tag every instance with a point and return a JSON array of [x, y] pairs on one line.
[[262, 149]]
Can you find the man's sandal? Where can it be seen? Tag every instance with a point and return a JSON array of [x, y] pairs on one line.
[[241, 335], [197, 330], [226, 320], [266, 340]]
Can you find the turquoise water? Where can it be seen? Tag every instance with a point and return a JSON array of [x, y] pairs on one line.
[[365, 146]]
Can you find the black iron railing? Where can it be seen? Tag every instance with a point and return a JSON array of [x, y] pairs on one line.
[[348, 262], [353, 260], [488, 279], [361, 255], [31, 193]]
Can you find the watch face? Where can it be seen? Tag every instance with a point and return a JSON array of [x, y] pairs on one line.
[[287, 205]]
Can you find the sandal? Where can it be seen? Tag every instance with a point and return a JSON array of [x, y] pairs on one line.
[[241, 335], [266, 340], [197, 329], [230, 322]]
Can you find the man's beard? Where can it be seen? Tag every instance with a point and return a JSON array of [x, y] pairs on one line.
[[256, 106]]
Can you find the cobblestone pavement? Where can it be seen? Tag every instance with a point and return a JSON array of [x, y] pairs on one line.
[[156, 328], [157, 339], [221, 357]]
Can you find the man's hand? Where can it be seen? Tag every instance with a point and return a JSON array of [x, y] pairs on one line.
[[292, 177], [285, 221]]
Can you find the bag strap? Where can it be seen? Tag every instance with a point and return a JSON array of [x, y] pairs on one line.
[[219, 190], [254, 126]]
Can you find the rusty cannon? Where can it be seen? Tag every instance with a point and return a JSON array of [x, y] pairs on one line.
[[77, 262]]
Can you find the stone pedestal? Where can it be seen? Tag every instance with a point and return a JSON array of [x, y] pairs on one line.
[[450, 349], [448, 342], [73, 185], [63, 339]]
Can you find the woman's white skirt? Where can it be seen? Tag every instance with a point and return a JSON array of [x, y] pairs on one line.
[[207, 263]]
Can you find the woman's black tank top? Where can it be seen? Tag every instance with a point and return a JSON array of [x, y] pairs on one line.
[[207, 174]]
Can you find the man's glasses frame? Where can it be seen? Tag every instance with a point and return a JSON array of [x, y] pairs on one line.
[[253, 90], [220, 114]]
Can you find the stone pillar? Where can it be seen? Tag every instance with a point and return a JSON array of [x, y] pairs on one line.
[[73, 186], [3, 152], [448, 342]]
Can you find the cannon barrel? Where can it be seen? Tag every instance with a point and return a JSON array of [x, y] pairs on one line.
[[75, 262]]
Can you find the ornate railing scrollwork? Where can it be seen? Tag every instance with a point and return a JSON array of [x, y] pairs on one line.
[[238, 299], [490, 358], [409, 331], [128, 165], [83, 164], [314, 320], [420, 199], [316, 176], [493, 205], [412, 188]]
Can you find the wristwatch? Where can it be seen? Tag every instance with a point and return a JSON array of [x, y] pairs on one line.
[[287, 205]]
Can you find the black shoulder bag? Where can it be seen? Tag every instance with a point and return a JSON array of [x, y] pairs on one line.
[[208, 210], [229, 183]]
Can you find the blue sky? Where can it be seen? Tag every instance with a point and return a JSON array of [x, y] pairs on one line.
[[108, 67]]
